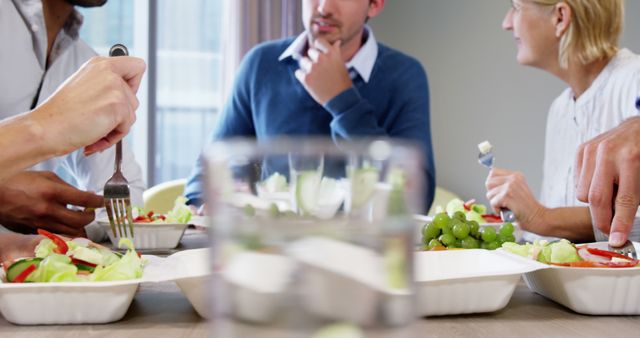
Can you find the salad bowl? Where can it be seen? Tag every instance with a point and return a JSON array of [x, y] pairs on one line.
[[150, 235], [70, 282], [466, 281], [67, 302]]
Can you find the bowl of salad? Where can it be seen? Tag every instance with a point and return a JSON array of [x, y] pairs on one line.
[[70, 281], [583, 277], [155, 231]]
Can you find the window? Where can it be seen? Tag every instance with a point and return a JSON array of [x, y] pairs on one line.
[[176, 119]]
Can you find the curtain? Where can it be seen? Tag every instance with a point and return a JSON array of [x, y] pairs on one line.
[[247, 23]]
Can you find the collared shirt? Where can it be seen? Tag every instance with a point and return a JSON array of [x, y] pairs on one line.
[[609, 100], [24, 69], [362, 62]]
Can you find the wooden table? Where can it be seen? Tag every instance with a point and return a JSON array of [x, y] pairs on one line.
[[160, 310]]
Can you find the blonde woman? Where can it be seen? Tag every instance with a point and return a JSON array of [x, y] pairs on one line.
[[577, 41]]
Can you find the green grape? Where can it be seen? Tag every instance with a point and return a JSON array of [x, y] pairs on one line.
[[489, 234], [493, 245], [484, 245], [274, 211], [470, 243], [461, 230], [249, 210], [459, 215], [457, 244], [448, 229], [474, 229], [506, 229], [441, 220], [433, 243], [430, 231], [509, 238], [447, 239]]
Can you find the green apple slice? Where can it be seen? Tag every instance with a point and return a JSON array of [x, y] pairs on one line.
[[363, 185], [307, 184], [329, 198]]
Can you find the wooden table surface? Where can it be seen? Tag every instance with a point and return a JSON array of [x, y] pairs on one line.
[[160, 310]]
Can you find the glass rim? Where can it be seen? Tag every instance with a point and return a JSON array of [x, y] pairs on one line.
[[378, 148]]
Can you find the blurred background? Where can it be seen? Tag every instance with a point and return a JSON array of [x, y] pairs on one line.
[[478, 91]]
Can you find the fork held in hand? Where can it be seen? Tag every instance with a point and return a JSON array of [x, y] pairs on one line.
[[486, 159], [116, 191]]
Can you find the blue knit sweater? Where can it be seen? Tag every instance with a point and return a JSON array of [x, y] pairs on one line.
[[268, 101]]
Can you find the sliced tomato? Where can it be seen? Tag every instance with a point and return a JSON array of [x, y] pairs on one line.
[[491, 218], [608, 254], [467, 205], [20, 278], [61, 245], [76, 261]]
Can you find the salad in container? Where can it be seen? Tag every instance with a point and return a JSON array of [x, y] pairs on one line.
[[70, 281], [155, 231], [584, 278]]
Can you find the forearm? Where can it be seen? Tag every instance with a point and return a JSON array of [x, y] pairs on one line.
[[23, 143], [572, 223], [353, 116]]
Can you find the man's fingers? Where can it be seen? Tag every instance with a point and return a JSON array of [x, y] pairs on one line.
[[305, 64], [73, 219], [585, 167], [626, 205], [601, 195], [322, 45], [67, 194], [130, 68], [63, 229], [313, 54]]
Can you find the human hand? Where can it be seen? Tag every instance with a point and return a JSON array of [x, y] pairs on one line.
[[32, 200], [509, 189], [199, 211], [94, 108], [322, 72], [15, 246], [607, 177]]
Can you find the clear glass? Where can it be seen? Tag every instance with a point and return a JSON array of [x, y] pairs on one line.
[[309, 236]]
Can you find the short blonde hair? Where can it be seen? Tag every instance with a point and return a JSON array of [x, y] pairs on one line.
[[594, 31]]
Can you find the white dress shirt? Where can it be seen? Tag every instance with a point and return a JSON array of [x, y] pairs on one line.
[[23, 66], [609, 100]]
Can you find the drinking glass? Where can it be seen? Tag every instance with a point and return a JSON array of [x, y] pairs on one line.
[[311, 237]]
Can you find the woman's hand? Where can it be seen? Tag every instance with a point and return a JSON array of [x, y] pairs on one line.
[[509, 189]]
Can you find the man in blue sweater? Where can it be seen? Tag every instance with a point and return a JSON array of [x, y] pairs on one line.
[[334, 79]]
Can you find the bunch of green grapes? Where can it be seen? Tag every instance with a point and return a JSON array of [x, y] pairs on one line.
[[458, 232]]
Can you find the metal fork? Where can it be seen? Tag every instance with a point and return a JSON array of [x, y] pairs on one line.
[[486, 158], [628, 249], [602, 243], [116, 191]]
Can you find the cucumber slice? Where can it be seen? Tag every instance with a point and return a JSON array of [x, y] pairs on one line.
[[20, 265], [330, 196], [363, 185], [307, 184]]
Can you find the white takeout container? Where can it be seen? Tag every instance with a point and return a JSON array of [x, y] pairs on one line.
[[195, 279], [421, 220], [66, 303], [592, 291], [343, 281], [455, 282], [150, 235], [256, 283]]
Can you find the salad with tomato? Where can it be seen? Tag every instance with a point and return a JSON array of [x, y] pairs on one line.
[[180, 214], [59, 259], [565, 253], [472, 210]]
